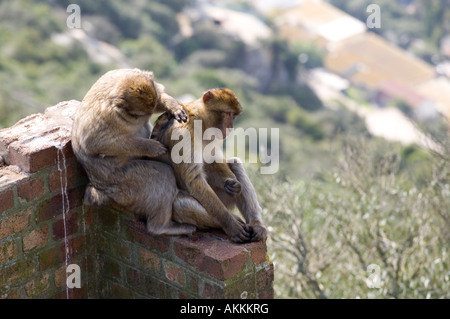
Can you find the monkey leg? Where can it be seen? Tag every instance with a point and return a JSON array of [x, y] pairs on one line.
[[187, 209], [162, 224], [219, 175], [218, 215], [247, 201], [148, 188], [171, 228]]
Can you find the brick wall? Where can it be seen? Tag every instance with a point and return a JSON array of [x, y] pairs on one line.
[[44, 228]]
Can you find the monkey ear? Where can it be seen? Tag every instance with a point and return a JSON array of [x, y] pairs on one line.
[[207, 96]]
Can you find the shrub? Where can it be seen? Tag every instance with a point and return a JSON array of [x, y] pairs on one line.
[[328, 237]]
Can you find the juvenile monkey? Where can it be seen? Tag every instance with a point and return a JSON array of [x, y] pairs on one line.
[[110, 138], [217, 186]]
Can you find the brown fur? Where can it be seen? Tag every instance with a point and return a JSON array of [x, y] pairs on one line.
[[110, 138], [216, 186]]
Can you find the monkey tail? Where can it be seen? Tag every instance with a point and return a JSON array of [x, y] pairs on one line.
[[93, 196]]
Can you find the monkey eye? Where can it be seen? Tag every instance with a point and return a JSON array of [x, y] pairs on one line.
[[230, 114]]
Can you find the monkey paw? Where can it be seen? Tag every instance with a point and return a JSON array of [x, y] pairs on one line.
[[239, 232], [180, 115], [232, 187], [258, 231], [157, 149]]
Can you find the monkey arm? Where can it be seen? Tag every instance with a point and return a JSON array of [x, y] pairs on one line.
[[168, 103], [134, 147], [220, 176]]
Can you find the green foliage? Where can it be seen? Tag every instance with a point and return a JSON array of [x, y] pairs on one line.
[[209, 37], [300, 120], [366, 212], [148, 54], [15, 15], [308, 53], [302, 94]]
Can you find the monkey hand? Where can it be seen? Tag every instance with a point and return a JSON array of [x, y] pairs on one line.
[[156, 148], [238, 231], [180, 114], [258, 231], [232, 187]]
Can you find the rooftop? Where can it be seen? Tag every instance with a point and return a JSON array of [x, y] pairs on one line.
[[372, 61]]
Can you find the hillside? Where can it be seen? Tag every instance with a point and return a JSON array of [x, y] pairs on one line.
[[343, 199]]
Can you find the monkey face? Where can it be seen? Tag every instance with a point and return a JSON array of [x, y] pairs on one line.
[[227, 122], [224, 106]]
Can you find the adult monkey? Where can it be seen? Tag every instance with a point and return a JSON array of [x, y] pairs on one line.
[[217, 186]]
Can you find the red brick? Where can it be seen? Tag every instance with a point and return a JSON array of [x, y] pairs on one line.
[[257, 251], [10, 175], [108, 218], [54, 206], [111, 268], [50, 258], [31, 189], [190, 250], [74, 173], [9, 293], [37, 286], [74, 247], [174, 273], [136, 232], [32, 161], [134, 278], [57, 179], [67, 227], [50, 208], [148, 259], [31, 141], [14, 223], [60, 278], [88, 215], [119, 292], [17, 273], [121, 250], [155, 287], [75, 293], [266, 294], [8, 251], [242, 288], [76, 196], [264, 281], [68, 150], [192, 283], [212, 291], [6, 200], [223, 262], [36, 238], [211, 255]]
